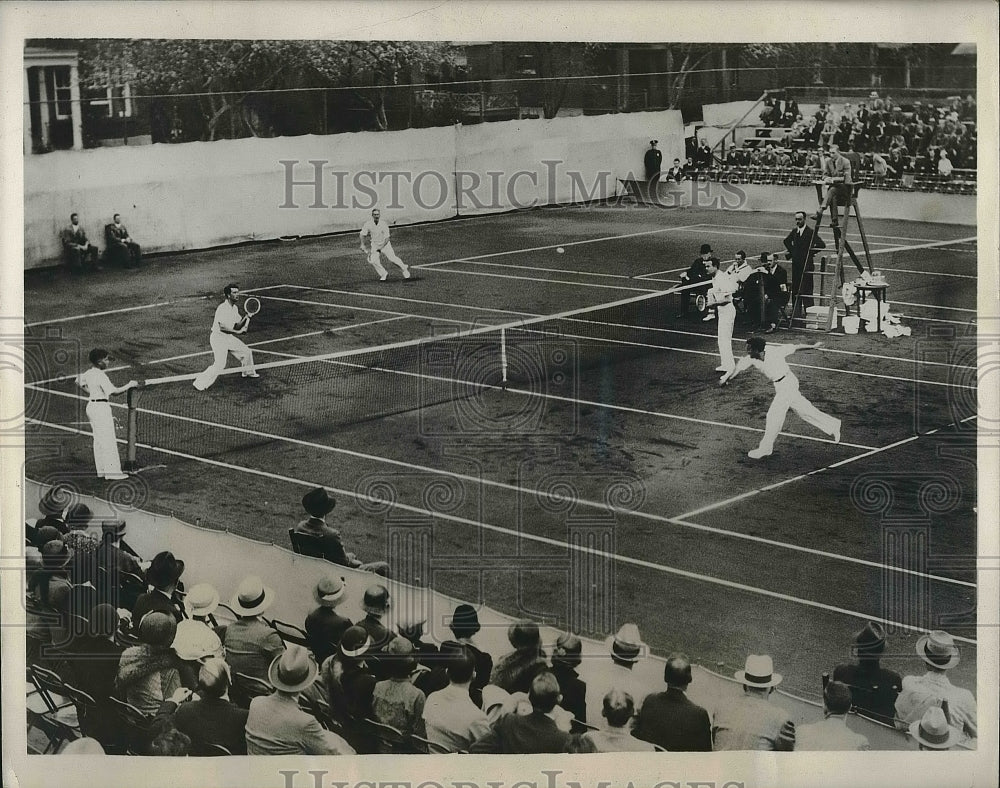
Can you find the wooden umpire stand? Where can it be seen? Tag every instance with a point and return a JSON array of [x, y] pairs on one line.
[[826, 278]]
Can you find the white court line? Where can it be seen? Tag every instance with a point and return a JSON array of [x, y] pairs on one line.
[[548, 270], [933, 273], [111, 312], [657, 273], [563, 244], [969, 322], [522, 535], [545, 281], [786, 231], [362, 309], [767, 488]]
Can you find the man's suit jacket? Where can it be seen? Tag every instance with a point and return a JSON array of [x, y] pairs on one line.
[[71, 236], [213, 721], [773, 282], [324, 627], [533, 733], [573, 690], [118, 232], [277, 726], [674, 722], [154, 600], [798, 245]]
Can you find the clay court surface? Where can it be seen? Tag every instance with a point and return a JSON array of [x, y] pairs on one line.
[[624, 451]]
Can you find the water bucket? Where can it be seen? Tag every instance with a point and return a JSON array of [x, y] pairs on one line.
[[851, 324]]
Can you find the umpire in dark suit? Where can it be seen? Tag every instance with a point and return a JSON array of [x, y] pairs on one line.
[[669, 719], [775, 290], [797, 244]]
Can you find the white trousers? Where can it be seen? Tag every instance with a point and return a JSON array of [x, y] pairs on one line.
[[376, 263], [222, 346], [786, 395], [102, 424], [727, 321]]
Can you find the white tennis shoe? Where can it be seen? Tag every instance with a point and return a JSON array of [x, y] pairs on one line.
[[383, 277], [406, 273], [250, 375], [756, 454]]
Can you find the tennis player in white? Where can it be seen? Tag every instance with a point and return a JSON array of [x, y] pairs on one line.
[[724, 287], [99, 389], [773, 363], [378, 233], [227, 324]]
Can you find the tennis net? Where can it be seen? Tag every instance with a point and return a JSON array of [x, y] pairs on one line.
[[306, 399]]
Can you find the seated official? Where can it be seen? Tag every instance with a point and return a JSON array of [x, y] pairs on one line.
[[79, 252], [121, 249]]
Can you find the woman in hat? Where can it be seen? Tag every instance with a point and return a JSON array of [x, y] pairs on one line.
[[515, 670], [194, 643], [395, 701], [251, 643], [773, 364], [350, 685], [148, 674]]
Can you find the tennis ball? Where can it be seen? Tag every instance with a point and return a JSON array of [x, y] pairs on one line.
[[560, 250]]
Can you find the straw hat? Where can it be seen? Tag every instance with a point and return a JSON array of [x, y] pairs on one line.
[[627, 644], [759, 672], [194, 640], [355, 641], [252, 597], [933, 730], [293, 670], [938, 650], [329, 591], [201, 600]]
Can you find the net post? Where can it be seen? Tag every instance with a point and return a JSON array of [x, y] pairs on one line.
[[132, 399], [503, 356]]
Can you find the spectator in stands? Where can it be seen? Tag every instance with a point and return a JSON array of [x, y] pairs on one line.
[[669, 719], [873, 688], [619, 708], [276, 725], [940, 654], [324, 626], [464, 627], [251, 643], [201, 602], [318, 504], [566, 658], [210, 717], [752, 722], [515, 670], [452, 721], [932, 731], [652, 162], [411, 627], [945, 167], [376, 603], [676, 172], [770, 158], [79, 252], [170, 742], [56, 558], [532, 733], [121, 249], [625, 649], [52, 506], [783, 160], [395, 701], [119, 573], [147, 674], [703, 156], [880, 168], [92, 666], [163, 575], [349, 685], [195, 643], [831, 733], [83, 542]]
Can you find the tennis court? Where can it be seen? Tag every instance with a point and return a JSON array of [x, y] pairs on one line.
[[608, 479]]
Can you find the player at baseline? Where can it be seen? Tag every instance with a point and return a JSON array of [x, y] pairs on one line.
[[773, 363], [227, 324], [378, 232]]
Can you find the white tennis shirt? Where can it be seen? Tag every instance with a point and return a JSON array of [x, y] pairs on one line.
[[379, 233], [226, 316], [97, 383]]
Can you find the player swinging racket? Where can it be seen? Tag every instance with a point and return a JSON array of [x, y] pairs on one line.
[[772, 362], [227, 324], [378, 232]]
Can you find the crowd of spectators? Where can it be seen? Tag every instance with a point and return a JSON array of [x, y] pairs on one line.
[[155, 668], [891, 141]]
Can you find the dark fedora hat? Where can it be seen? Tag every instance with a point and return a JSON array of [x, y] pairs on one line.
[[318, 502], [705, 249], [870, 640], [164, 569]]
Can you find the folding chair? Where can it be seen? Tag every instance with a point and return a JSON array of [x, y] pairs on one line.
[[391, 739], [60, 720], [209, 750], [137, 725], [307, 544], [246, 688], [423, 745], [289, 633]]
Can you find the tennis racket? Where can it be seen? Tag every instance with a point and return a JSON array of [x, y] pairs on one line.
[[701, 302]]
